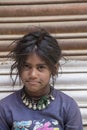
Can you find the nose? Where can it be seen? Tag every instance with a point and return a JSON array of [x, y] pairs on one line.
[[33, 73]]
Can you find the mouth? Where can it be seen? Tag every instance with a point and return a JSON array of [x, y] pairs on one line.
[[33, 82]]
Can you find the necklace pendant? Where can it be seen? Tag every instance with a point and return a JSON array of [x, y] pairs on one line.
[[27, 103], [43, 106], [30, 105], [24, 101], [52, 98], [48, 101], [34, 107], [39, 107]]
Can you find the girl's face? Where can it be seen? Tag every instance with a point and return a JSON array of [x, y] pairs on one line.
[[35, 76]]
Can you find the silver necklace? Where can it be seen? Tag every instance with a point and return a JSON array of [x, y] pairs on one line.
[[37, 104]]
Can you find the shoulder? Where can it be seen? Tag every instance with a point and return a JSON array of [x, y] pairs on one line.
[[10, 98], [62, 95], [68, 104], [65, 99]]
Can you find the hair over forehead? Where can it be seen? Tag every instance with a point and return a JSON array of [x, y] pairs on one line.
[[41, 42]]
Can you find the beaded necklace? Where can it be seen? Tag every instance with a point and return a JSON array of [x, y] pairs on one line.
[[37, 104]]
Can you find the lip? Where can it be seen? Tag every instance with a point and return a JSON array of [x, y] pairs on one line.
[[33, 82]]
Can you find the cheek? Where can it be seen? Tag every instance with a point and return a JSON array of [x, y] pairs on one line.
[[47, 77], [23, 75]]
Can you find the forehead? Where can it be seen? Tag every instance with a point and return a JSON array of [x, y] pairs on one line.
[[34, 58]]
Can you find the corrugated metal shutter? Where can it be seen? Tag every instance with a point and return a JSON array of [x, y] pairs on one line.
[[67, 21]]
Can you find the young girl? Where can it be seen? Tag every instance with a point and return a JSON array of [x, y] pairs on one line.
[[38, 105]]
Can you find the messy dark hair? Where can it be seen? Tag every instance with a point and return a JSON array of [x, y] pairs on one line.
[[40, 42]]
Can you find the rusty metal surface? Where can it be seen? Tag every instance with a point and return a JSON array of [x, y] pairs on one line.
[[52, 27], [18, 2], [43, 10]]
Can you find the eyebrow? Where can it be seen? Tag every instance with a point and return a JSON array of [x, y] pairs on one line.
[[36, 64]]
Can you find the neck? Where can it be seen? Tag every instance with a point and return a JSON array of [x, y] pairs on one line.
[[37, 104], [38, 94]]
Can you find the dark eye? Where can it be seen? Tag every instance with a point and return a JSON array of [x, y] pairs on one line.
[[26, 66], [41, 67]]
